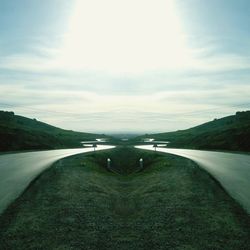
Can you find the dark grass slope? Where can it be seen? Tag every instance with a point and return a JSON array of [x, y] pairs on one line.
[[21, 133], [228, 133], [78, 204], [125, 159]]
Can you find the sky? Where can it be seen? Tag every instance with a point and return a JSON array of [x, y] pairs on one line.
[[135, 66]]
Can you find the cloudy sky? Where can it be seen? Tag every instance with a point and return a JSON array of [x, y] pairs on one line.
[[124, 65]]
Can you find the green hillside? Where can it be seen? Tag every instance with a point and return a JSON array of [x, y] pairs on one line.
[[228, 133], [21, 133]]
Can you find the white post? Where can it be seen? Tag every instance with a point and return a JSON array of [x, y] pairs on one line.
[[141, 163], [108, 163]]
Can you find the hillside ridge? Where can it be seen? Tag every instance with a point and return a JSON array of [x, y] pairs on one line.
[[22, 133], [227, 133]]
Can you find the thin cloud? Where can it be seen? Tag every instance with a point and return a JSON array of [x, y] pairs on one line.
[[129, 74]]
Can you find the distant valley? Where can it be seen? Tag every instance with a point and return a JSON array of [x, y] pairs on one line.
[[228, 133], [21, 133]]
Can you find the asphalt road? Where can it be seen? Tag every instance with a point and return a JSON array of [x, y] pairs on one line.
[[19, 169], [231, 170]]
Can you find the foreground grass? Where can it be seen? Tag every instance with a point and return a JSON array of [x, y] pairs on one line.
[[78, 204]]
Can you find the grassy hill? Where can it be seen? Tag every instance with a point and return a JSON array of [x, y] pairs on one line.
[[228, 133], [21, 133]]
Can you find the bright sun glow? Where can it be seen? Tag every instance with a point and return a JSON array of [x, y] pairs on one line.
[[124, 36]]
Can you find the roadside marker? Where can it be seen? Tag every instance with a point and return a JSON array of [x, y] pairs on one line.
[[141, 163], [108, 163]]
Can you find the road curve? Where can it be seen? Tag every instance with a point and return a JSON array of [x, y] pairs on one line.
[[19, 169], [231, 170]]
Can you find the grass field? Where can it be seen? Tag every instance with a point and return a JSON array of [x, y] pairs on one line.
[[79, 204]]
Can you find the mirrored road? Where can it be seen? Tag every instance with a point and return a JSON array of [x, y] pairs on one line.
[[19, 169], [231, 170]]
